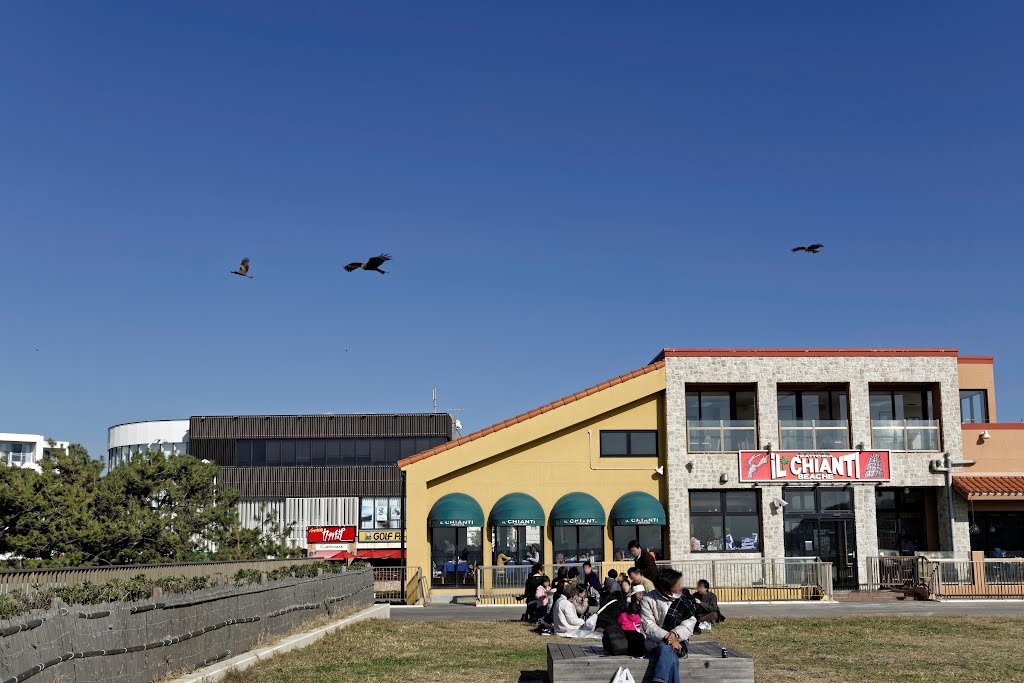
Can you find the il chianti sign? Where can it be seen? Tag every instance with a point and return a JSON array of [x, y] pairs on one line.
[[330, 534], [814, 466]]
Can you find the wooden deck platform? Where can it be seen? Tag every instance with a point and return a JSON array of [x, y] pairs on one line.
[[570, 662]]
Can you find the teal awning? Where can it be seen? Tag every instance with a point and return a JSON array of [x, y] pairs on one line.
[[517, 509], [456, 509], [577, 509], [637, 507]]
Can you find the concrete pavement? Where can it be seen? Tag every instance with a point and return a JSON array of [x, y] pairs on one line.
[[957, 608]]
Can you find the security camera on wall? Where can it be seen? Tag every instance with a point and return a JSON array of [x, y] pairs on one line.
[[779, 503]]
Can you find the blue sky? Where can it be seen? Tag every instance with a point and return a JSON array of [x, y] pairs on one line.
[[565, 190]]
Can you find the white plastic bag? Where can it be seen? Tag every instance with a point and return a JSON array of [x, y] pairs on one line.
[[591, 623], [623, 676]]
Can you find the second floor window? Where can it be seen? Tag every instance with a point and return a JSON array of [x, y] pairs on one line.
[[637, 442], [973, 405], [721, 420], [903, 419], [813, 419]]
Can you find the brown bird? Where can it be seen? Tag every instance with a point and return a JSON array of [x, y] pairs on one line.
[[373, 264], [243, 269], [810, 248]]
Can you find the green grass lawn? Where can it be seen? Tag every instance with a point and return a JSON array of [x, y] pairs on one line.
[[847, 650]]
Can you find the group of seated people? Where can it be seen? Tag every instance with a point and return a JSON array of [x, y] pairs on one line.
[[644, 612]]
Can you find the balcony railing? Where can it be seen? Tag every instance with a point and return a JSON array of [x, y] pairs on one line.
[[905, 435], [721, 436], [814, 435]]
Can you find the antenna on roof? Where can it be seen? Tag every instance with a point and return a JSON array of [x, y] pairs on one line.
[[435, 398]]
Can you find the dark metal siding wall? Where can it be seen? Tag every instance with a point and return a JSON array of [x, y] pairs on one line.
[[312, 482], [213, 437], [318, 426]]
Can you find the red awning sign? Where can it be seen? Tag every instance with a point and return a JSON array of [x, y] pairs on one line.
[[330, 534], [814, 466]]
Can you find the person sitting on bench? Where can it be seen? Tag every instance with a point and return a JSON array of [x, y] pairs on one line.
[[667, 619]]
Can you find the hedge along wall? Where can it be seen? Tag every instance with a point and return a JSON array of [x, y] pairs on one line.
[[146, 641]]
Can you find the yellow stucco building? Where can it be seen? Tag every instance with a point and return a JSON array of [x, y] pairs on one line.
[[575, 479]]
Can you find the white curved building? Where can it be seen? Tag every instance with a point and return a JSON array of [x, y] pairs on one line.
[[123, 440]]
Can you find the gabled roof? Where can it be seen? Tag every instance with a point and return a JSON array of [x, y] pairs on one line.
[[533, 413]]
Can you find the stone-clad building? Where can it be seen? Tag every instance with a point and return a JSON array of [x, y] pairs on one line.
[[904, 401]]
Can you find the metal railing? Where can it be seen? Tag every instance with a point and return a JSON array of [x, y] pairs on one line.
[[721, 436], [971, 578], [398, 585], [753, 579], [905, 435], [981, 578], [800, 435], [15, 579], [896, 572]]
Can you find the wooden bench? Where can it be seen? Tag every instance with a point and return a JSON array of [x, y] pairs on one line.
[[570, 662]]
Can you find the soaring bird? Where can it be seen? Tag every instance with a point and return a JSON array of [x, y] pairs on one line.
[[810, 248], [373, 264], [243, 269]]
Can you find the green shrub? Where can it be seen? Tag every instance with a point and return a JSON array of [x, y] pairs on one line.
[[245, 577]]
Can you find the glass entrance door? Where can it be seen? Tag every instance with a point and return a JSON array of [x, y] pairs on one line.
[[837, 543], [819, 522]]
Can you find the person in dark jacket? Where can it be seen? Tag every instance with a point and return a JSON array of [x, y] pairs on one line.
[[590, 578], [707, 604], [643, 560]]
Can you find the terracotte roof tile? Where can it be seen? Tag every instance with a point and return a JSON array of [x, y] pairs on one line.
[[978, 485]]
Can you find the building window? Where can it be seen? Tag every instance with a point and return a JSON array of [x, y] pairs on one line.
[[636, 442], [973, 405], [380, 513], [999, 534], [455, 552], [647, 535], [346, 452], [816, 419], [725, 521], [573, 544], [906, 519], [720, 421], [904, 420], [521, 544]]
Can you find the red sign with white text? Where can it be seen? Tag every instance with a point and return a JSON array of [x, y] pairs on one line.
[[330, 534], [814, 466]]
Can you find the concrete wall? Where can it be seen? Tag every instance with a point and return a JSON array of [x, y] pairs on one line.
[[977, 372], [1001, 453], [858, 373]]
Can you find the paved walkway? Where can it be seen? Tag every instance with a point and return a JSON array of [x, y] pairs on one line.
[[1008, 608]]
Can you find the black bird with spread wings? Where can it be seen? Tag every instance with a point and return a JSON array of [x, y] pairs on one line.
[[373, 264], [810, 248], [243, 269]]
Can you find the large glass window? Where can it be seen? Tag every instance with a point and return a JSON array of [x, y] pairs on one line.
[[578, 544], [721, 420], [999, 534], [648, 535], [973, 405], [813, 419], [725, 521], [638, 442], [380, 513], [903, 419], [455, 552], [523, 545], [903, 520]]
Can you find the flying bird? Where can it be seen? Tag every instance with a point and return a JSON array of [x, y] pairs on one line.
[[373, 264], [810, 248], [243, 269]]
